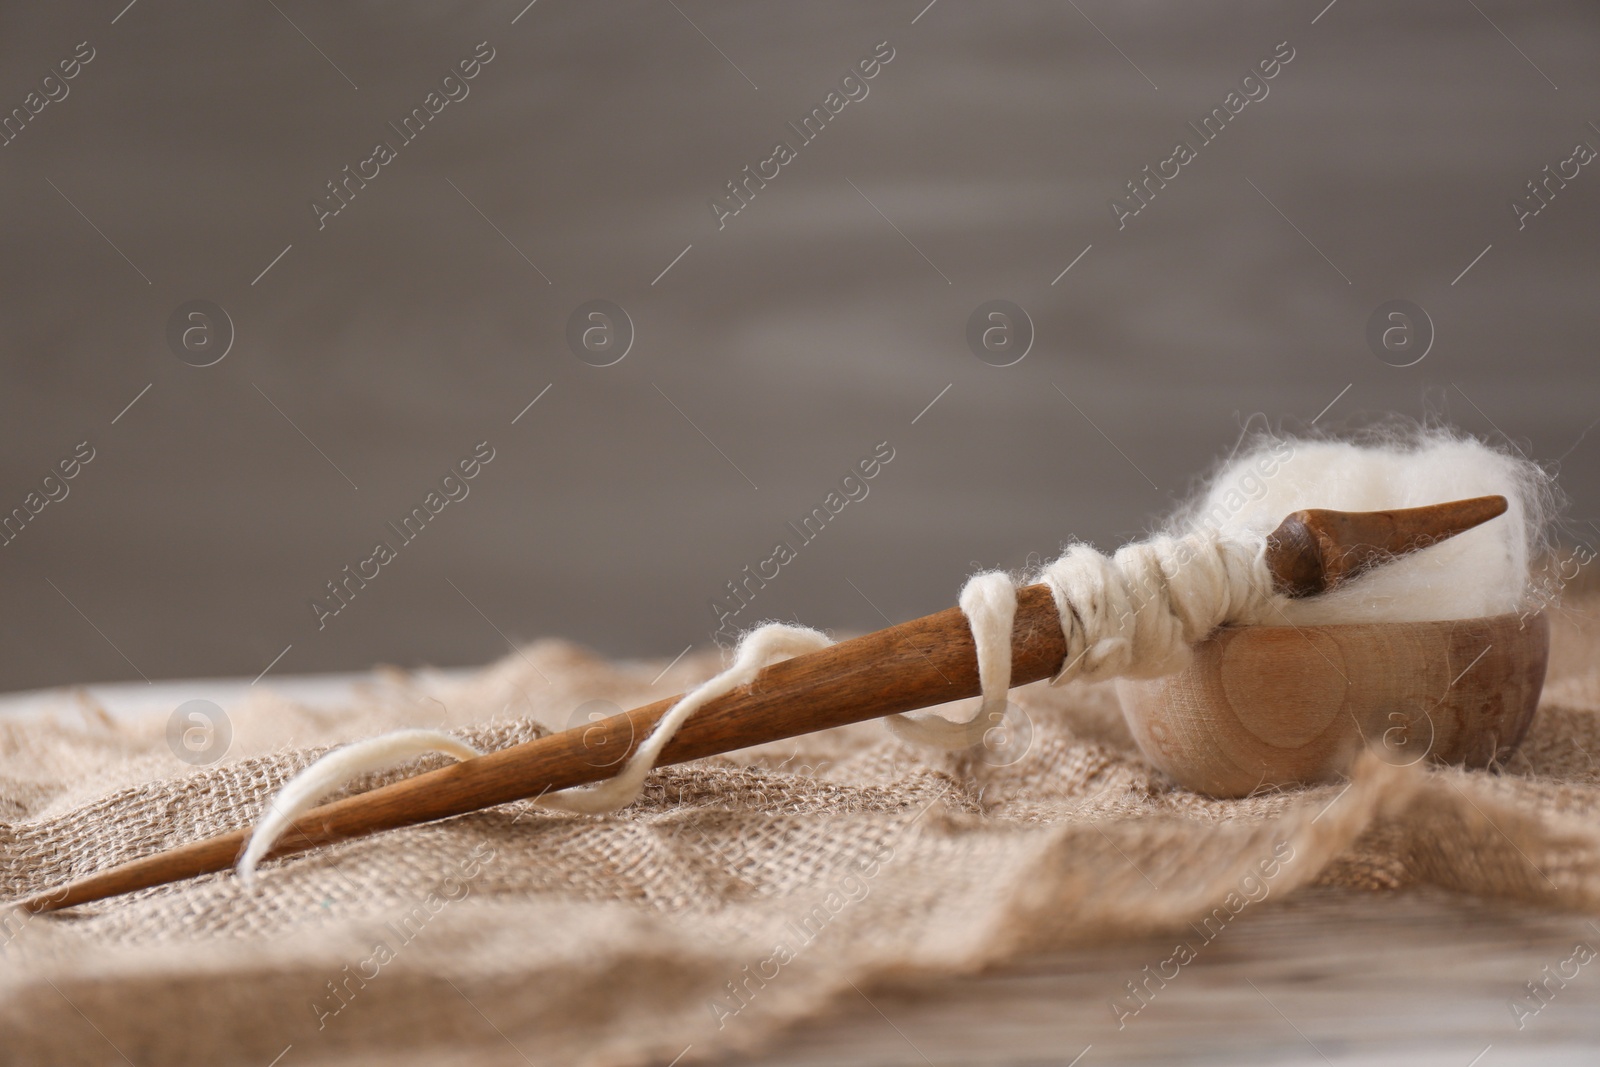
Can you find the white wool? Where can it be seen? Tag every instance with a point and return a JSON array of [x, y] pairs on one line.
[[1137, 613], [1484, 571], [758, 648], [334, 770], [989, 601]]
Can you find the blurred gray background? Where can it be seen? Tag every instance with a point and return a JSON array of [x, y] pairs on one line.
[[372, 354]]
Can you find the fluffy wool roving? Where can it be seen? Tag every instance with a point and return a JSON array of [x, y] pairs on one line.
[[1484, 571], [1139, 613]]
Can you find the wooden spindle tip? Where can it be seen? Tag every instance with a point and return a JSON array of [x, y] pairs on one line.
[[1316, 549]]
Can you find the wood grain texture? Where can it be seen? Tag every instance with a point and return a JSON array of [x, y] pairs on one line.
[[1315, 549], [1414, 979], [917, 664], [1272, 706]]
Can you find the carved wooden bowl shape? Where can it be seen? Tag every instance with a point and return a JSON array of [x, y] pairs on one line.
[[1265, 706]]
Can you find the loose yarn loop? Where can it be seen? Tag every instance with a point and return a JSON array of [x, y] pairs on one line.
[[989, 601], [332, 771], [761, 646], [1136, 614], [756, 650]]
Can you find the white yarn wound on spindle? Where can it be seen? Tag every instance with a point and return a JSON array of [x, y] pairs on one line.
[[1137, 613], [989, 601], [304, 790], [756, 649]]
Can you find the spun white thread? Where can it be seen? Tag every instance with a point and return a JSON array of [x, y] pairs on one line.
[[1141, 611], [756, 649], [989, 601], [302, 792], [1136, 613]]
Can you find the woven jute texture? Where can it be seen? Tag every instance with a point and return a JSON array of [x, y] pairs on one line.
[[739, 896]]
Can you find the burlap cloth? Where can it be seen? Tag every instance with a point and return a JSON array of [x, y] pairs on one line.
[[739, 896]]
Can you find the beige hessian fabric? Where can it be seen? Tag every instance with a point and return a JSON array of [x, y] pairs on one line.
[[779, 875]]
